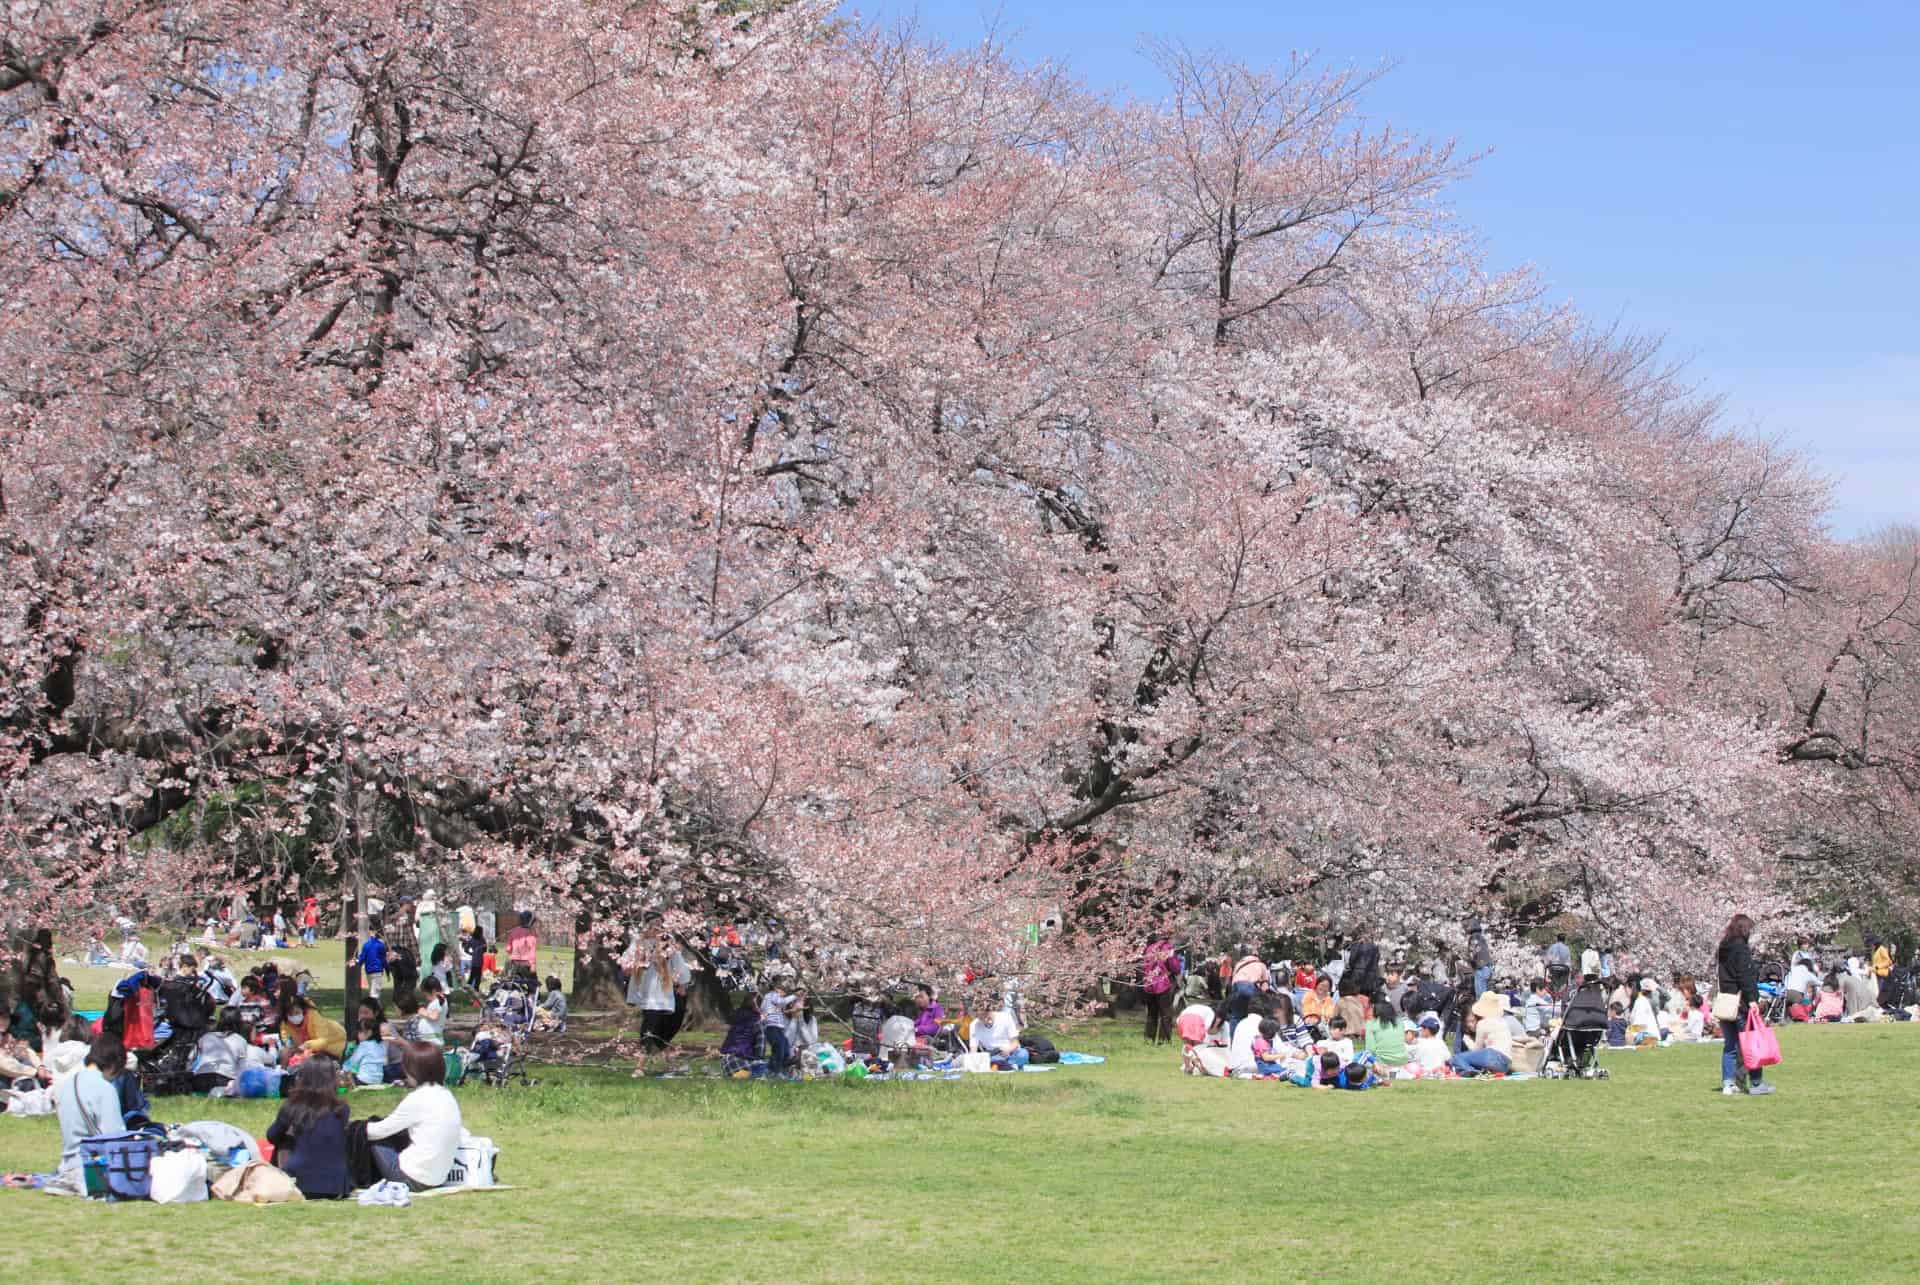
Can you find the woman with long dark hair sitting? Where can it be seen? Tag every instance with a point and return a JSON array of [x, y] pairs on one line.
[[309, 1136]]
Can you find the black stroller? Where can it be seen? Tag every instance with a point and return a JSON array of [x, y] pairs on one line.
[[187, 1009], [1896, 993], [866, 1018], [1574, 1052]]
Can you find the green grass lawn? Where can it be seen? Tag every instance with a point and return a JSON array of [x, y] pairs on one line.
[[1123, 1171], [1110, 1172]]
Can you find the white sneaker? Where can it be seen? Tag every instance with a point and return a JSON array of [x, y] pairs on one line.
[[1729, 1089]]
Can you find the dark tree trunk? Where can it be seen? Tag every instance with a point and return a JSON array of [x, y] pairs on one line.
[[596, 970]]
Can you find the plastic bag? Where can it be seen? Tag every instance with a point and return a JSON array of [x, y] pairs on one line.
[[1758, 1045], [179, 1177]]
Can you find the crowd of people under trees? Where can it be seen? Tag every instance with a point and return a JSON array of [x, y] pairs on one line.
[[188, 1024], [1355, 1022]]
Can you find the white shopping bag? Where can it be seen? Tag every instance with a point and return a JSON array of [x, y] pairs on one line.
[[472, 1162], [179, 1177]]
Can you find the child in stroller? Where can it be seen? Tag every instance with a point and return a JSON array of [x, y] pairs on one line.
[[495, 1054]]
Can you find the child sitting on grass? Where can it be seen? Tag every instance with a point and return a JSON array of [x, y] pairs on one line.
[[367, 1060], [1430, 1054], [1337, 1042], [1831, 1005], [742, 1045], [1616, 1026], [552, 1013]]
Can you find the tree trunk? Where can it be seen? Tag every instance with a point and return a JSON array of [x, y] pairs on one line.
[[596, 970]]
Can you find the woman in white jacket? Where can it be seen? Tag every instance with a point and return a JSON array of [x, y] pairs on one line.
[[416, 1144]]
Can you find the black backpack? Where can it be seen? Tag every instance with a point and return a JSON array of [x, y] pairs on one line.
[[1039, 1049]]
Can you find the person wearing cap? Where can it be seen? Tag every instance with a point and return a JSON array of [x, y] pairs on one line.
[[1490, 1046], [1428, 1052], [1643, 1023]]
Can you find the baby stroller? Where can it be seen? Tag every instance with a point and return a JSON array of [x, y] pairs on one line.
[[866, 1019], [510, 1004], [1574, 1050], [1896, 993], [1773, 1002], [495, 1056]]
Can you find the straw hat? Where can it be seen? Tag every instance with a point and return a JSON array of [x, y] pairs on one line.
[[1491, 1004]]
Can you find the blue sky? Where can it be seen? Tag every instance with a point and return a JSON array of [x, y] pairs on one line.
[[1741, 178]]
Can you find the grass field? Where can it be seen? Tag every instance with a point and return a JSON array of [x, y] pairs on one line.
[[1125, 1171]]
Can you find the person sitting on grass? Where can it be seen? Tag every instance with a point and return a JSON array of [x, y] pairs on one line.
[[406, 1015], [1337, 1041], [367, 1060], [309, 1136], [741, 1048], [305, 1029], [67, 1053], [416, 1144], [1429, 1052], [431, 1024], [1386, 1033], [1616, 1025], [553, 1008], [1537, 1011], [19, 1061], [1489, 1051], [1316, 1007], [1240, 1053], [1830, 1005], [927, 1015], [88, 1104], [1266, 1056], [1643, 1023], [998, 1036], [1694, 1017]]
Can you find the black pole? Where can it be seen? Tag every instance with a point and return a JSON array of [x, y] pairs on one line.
[[353, 988]]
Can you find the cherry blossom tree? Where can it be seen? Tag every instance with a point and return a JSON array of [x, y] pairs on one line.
[[716, 461]]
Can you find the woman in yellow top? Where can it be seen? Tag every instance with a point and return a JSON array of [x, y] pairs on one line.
[[1882, 965], [1317, 1005], [306, 1030]]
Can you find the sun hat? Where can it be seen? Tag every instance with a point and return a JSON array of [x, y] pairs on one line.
[[1490, 1004]]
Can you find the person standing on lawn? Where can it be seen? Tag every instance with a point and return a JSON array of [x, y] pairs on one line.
[[1158, 968], [1738, 975], [1362, 974], [373, 959], [1481, 952], [523, 946], [660, 977]]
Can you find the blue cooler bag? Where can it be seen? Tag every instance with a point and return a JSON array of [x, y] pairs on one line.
[[118, 1167]]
